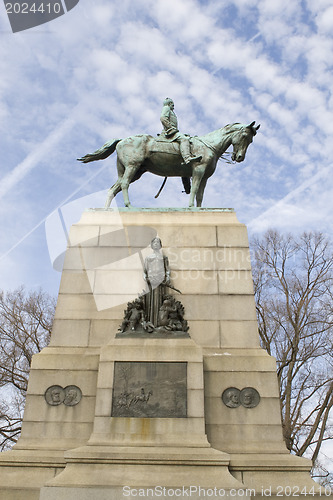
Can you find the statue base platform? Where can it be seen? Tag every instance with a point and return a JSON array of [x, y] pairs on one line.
[[157, 333], [179, 411]]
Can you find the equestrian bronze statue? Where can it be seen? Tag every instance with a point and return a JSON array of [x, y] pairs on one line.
[[171, 156]]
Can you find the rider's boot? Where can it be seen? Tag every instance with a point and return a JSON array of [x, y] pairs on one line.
[[186, 153], [191, 159]]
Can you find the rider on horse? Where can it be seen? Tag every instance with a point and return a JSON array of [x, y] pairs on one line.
[[171, 132]]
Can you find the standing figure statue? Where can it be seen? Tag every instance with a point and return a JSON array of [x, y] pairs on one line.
[[171, 132], [156, 273], [155, 311]]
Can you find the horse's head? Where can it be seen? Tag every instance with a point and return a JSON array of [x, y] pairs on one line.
[[241, 140]]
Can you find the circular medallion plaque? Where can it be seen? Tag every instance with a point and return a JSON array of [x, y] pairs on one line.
[[231, 397], [249, 397], [73, 395], [54, 395]]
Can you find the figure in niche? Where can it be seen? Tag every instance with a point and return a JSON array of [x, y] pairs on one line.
[[157, 275]]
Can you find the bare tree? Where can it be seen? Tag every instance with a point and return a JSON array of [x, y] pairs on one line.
[[293, 281], [25, 328]]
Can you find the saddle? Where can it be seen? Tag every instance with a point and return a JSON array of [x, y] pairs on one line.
[[162, 144]]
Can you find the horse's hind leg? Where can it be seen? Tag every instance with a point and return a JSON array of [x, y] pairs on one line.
[[112, 192], [116, 188], [127, 178]]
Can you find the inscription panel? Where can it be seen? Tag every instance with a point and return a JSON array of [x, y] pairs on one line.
[[149, 389]]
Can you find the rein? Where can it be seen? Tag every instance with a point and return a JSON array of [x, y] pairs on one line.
[[219, 156], [209, 146]]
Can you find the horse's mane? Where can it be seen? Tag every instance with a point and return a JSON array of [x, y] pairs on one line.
[[233, 126], [227, 129]]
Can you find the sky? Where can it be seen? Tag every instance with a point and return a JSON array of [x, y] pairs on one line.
[[102, 71]]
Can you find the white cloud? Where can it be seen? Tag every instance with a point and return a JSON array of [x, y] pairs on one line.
[[238, 60], [8, 182], [121, 61], [325, 20]]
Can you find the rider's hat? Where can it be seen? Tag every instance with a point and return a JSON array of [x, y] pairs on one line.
[[166, 101]]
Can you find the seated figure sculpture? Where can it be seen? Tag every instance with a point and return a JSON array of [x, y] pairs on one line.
[[133, 316]]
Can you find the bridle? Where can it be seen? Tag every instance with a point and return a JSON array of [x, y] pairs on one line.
[[215, 151]]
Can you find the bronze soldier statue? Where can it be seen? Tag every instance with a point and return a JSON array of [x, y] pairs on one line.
[[171, 132]]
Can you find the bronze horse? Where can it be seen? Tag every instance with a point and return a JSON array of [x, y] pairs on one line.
[[143, 153]]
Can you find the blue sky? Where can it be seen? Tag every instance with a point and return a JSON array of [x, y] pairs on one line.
[[102, 71]]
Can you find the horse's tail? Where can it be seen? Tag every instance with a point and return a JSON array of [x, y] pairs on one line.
[[101, 153]]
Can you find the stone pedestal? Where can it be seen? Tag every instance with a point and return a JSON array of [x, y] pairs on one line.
[[82, 437], [168, 448]]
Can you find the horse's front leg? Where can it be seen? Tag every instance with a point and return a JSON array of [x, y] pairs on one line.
[[197, 176], [200, 192]]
